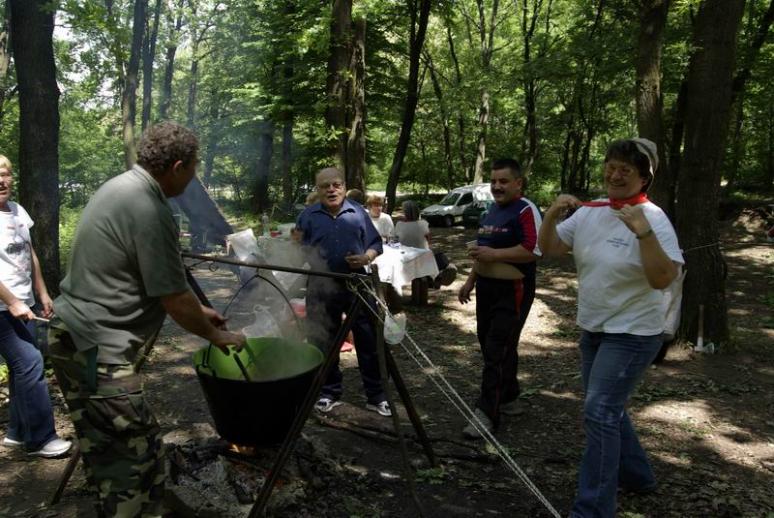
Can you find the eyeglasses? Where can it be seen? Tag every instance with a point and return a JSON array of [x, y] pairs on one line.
[[624, 171], [327, 185]]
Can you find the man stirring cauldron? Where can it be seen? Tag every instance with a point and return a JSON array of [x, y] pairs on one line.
[[125, 275], [342, 232]]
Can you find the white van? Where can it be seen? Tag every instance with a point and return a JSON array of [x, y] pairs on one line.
[[449, 210]]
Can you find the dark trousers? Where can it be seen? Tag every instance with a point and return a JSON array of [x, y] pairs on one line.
[[326, 302], [502, 308]]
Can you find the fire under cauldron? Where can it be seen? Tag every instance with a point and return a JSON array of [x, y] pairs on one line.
[[258, 412]]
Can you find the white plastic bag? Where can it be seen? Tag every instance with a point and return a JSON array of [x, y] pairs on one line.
[[670, 306], [394, 328], [265, 324]]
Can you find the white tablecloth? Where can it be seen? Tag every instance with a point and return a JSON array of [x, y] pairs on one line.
[[399, 266]]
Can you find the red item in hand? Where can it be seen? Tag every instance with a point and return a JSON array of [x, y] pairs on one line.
[[618, 204]]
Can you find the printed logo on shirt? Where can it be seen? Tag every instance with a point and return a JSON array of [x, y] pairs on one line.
[[489, 230], [617, 242]]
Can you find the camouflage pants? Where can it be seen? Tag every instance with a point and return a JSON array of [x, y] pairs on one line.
[[119, 437]]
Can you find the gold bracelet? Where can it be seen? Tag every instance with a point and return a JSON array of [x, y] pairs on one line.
[[645, 234]]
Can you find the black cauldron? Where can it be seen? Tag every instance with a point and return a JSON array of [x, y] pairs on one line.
[[258, 412]]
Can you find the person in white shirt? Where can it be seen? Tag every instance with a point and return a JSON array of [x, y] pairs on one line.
[[416, 232], [626, 252], [381, 220], [30, 418]]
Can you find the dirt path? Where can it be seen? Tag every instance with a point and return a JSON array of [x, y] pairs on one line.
[[706, 421]]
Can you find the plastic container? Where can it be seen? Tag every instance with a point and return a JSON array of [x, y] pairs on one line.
[[261, 411]]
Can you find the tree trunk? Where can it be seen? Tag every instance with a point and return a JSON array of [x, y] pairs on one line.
[[169, 68], [5, 58], [444, 112], [287, 161], [416, 43], [356, 141], [148, 56], [193, 86], [32, 27], [483, 122], [528, 26], [260, 197], [129, 94], [739, 86], [337, 79], [653, 17], [709, 82], [466, 173], [486, 50], [213, 136]]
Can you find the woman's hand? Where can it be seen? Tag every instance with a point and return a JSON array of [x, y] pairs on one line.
[[634, 219], [564, 202], [21, 310]]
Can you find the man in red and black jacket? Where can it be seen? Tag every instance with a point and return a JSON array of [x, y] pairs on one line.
[[504, 279]]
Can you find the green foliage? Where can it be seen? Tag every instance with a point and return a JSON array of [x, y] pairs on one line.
[[68, 223], [260, 60]]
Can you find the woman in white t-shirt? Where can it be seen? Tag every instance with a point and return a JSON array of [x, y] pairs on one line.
[[381, 220], [626, 252], [416, 232], [30, 419]]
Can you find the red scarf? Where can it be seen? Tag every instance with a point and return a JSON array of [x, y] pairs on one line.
[[617, 204]]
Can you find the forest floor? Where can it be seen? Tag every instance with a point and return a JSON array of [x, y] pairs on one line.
[[707, 421]]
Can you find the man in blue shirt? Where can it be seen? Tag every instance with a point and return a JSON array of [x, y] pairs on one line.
[[504, 279], [346, 241]]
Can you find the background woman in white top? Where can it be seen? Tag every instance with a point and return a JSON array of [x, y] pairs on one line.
[[30, 421], [626, 252], [381, 220], [416, 232]]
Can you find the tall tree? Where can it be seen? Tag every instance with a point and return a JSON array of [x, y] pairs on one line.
[[175, 25], [356, 113], [148, 57], [739, 88], [129, 94], [338, 77], [419, 14], [709, 84], [5, 61], [486, 32], [32, 28], [653, 17]]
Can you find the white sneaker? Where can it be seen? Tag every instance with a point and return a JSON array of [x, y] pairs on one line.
[[53, 448], [326, 404], [382, 408], [471, 432], [12, 443]]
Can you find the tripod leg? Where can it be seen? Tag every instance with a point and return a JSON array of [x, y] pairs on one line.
[[381, 355], [303, 414], [72, 462], [400, 385]]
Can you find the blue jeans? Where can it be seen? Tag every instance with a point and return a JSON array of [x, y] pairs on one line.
[[31, 420], [612, 364]]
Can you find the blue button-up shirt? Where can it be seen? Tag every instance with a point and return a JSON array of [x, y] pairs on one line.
[[349, 232]]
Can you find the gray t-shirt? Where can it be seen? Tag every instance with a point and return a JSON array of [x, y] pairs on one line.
[[125, 257]]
